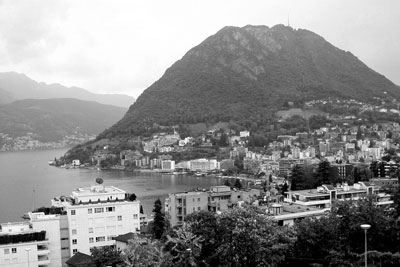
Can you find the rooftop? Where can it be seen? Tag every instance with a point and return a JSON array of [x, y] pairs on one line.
[[97, 189]]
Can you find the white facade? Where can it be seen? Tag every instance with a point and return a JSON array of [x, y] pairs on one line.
[[56, 227], [22, 249], [168, 165], [96, 215], [203, 165]]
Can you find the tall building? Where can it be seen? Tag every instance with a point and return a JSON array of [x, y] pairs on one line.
[[56, 227], [96, 215]]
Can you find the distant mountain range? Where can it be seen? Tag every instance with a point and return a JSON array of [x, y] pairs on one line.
[[17, 86], [52, 119], [245, 74]]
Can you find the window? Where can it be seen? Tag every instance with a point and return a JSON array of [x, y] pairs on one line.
[[135, 216], [110, 237], [64, 238], [72, 212], [74, 241], [119, 217], [6, 251], [14, 250], [193, 199], [74, 251], [98, 210], [89, 211], [198, 199], [91, 240], [110, 209], [100, 238], [194, 208], [198, 208], [73, 231], [90, 230]]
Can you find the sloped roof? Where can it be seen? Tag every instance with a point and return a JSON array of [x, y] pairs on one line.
[[125, 237], [80, 260]]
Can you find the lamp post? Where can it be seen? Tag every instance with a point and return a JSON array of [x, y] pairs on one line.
[[189, 250], [27, 250], [365, 227]]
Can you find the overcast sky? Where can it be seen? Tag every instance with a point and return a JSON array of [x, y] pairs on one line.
[[120, 46]]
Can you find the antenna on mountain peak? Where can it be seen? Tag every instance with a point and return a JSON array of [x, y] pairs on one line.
[[288, 19]]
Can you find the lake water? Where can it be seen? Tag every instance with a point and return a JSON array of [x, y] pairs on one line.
[[27, 182]]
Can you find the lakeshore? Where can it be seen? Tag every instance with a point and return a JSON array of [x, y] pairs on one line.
[[27, 181]]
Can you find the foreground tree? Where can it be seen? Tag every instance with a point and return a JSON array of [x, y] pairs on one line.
[[239, 237], [159, 220], [106, 256], [143, 252], [338, 240]]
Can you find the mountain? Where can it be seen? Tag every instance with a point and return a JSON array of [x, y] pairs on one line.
[[245, 74], [17, 86], [52, 119]]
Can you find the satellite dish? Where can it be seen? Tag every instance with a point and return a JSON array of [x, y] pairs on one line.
[[99, 180]]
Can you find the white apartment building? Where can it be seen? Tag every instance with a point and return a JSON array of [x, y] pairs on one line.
[[20, 245], [168, 165], [56, 227], [96, 215], [203, 165]]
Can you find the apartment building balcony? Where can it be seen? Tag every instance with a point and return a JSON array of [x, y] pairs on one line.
[[43, 260]]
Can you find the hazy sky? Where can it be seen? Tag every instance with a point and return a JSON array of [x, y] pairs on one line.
[[120, 46]]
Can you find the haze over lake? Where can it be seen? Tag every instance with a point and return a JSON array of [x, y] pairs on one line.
[[27, 181]]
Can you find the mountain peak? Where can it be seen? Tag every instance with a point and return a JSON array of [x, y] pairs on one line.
[[247, 73]]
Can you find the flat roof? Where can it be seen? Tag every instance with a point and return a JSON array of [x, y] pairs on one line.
[[94, 190]]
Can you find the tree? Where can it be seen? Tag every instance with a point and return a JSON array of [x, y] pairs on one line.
[[323, 175], [238, 184], [106, 256], [143, 252], [227, 183], [184, 247], [297, 178], [285, 188], [159, 220], [252, 239]]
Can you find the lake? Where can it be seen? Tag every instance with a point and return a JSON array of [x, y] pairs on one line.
[[27, 182]]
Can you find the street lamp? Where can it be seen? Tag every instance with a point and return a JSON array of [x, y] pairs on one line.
[[365, 227], [27, 250]]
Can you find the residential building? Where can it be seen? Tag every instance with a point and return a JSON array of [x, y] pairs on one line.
[[325, 195], [56, 227], [96, 215], [168, 165], [20, 245], [203, 165], [217, 199]]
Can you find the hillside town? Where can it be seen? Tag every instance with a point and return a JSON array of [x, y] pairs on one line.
[[30, 142]]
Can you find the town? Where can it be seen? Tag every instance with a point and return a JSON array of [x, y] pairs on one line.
[[295, 177]]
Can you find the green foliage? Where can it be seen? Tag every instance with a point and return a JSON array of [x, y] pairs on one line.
[[239, 237], [52, 119], [339, 234], [143, 252], [25, 237], [106, 256], [159, 220], [213, 88], [238, 184]]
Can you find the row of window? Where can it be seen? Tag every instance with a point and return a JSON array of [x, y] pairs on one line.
[[96, 210], [98, 239], [7, 250]]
